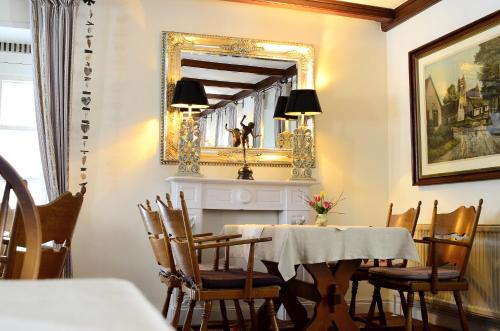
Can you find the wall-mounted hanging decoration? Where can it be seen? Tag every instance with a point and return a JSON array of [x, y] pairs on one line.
[[455, 105], [86, 98]]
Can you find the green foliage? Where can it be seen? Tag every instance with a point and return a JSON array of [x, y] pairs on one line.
[[489, 57], [437, 152]]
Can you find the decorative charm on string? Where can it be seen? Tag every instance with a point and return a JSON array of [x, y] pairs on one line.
[[86, 95]]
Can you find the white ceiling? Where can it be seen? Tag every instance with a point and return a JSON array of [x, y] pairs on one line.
[[379, 3]]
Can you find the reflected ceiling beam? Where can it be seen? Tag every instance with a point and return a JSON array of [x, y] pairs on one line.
[[220, 96], [220, 83], [387, 17], [260, 86], [232, 67]]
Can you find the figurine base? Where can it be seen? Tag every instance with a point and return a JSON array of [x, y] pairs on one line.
[[245, 173]]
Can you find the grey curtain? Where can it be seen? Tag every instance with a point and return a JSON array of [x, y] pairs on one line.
[[219, 127], [53, 27], [257, 117], [231, 122]]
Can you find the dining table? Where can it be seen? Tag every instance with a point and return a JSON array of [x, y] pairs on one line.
[[314, 247], [76, 305]]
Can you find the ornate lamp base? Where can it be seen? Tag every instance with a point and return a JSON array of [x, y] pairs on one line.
[[302, 153], [189, 148]]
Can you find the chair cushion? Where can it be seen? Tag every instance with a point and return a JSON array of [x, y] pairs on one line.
[[414, 273], [235, 278]]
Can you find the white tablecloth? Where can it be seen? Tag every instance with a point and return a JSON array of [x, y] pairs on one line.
[[305, 244], [76, 305]]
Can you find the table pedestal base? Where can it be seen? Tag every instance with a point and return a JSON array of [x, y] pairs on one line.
[[327, 292]]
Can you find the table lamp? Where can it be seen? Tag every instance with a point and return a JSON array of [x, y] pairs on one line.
[[285, 137], [302, 103], [190, 96]]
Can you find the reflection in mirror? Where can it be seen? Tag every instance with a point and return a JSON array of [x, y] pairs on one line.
[[243, 93]]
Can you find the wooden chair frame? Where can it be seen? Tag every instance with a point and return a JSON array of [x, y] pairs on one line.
[[462, 218], [179, 231], [30, 217]]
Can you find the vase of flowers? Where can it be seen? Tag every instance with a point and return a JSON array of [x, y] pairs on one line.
[[322, 206]]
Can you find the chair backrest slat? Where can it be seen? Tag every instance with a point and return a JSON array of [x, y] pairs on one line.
[[460, 224], [181, 240], [157, 237], [407, 220]]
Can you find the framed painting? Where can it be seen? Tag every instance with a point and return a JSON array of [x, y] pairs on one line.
[[455, 108]]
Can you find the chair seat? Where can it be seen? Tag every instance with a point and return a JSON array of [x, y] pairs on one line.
[[235, 278], [414, 273]]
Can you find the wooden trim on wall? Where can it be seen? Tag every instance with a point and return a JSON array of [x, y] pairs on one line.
[[406, 11], [387, 17]]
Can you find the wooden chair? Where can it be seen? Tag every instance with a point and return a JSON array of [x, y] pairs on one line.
[[163, 254], [27, 212], [206, 286], [58, 221], [407, 220], [450, 244]]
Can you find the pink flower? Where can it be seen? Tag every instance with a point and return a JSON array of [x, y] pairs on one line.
[[326, 205], [312, 203], [317, 198]]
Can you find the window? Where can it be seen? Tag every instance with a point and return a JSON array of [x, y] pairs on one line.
[[18, 132]]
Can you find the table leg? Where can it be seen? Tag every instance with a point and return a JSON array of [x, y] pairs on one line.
[[294, 308], [332, 309]]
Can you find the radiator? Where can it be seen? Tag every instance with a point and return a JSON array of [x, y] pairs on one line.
[[483, 272]]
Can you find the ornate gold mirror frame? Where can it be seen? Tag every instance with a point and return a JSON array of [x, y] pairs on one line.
[[174, 43]]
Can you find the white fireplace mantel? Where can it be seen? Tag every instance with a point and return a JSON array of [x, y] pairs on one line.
[[284, 196]]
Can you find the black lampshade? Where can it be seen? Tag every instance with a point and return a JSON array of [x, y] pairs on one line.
[[303, 102], [189, 93], [279, 112]]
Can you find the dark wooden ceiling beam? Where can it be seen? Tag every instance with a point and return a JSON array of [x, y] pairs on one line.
[[233, 67], [406, 11], [388, 17], [342, 8], [220, 83]]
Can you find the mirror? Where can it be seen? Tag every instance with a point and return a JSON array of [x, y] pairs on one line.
[[243, 79]]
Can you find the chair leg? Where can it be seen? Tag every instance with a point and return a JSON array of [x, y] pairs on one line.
[[189, 316], [354, 291], [380, 307], [166, 304], [253, 315], [371, 311], [207, 308], [272, 315], [423, 309], [178, 305], [239, 314], [403, 302], [223, 313], [461, 314], [409, 310]]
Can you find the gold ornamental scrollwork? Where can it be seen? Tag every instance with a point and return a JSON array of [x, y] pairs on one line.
[[175, 43]]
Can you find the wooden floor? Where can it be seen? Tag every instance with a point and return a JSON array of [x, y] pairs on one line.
[[394, 323]]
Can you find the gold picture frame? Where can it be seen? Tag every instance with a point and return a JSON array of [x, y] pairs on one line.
[[174, 43]]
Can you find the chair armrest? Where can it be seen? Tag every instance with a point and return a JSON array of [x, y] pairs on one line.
[[215, 238], [233, 243], [446, 241], [421, 241], [202, 234]]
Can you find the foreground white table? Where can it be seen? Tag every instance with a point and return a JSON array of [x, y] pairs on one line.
[[76, 305], [313, 246]]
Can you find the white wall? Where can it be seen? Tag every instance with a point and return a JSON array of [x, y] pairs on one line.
[[124, 166], [440, 19]]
